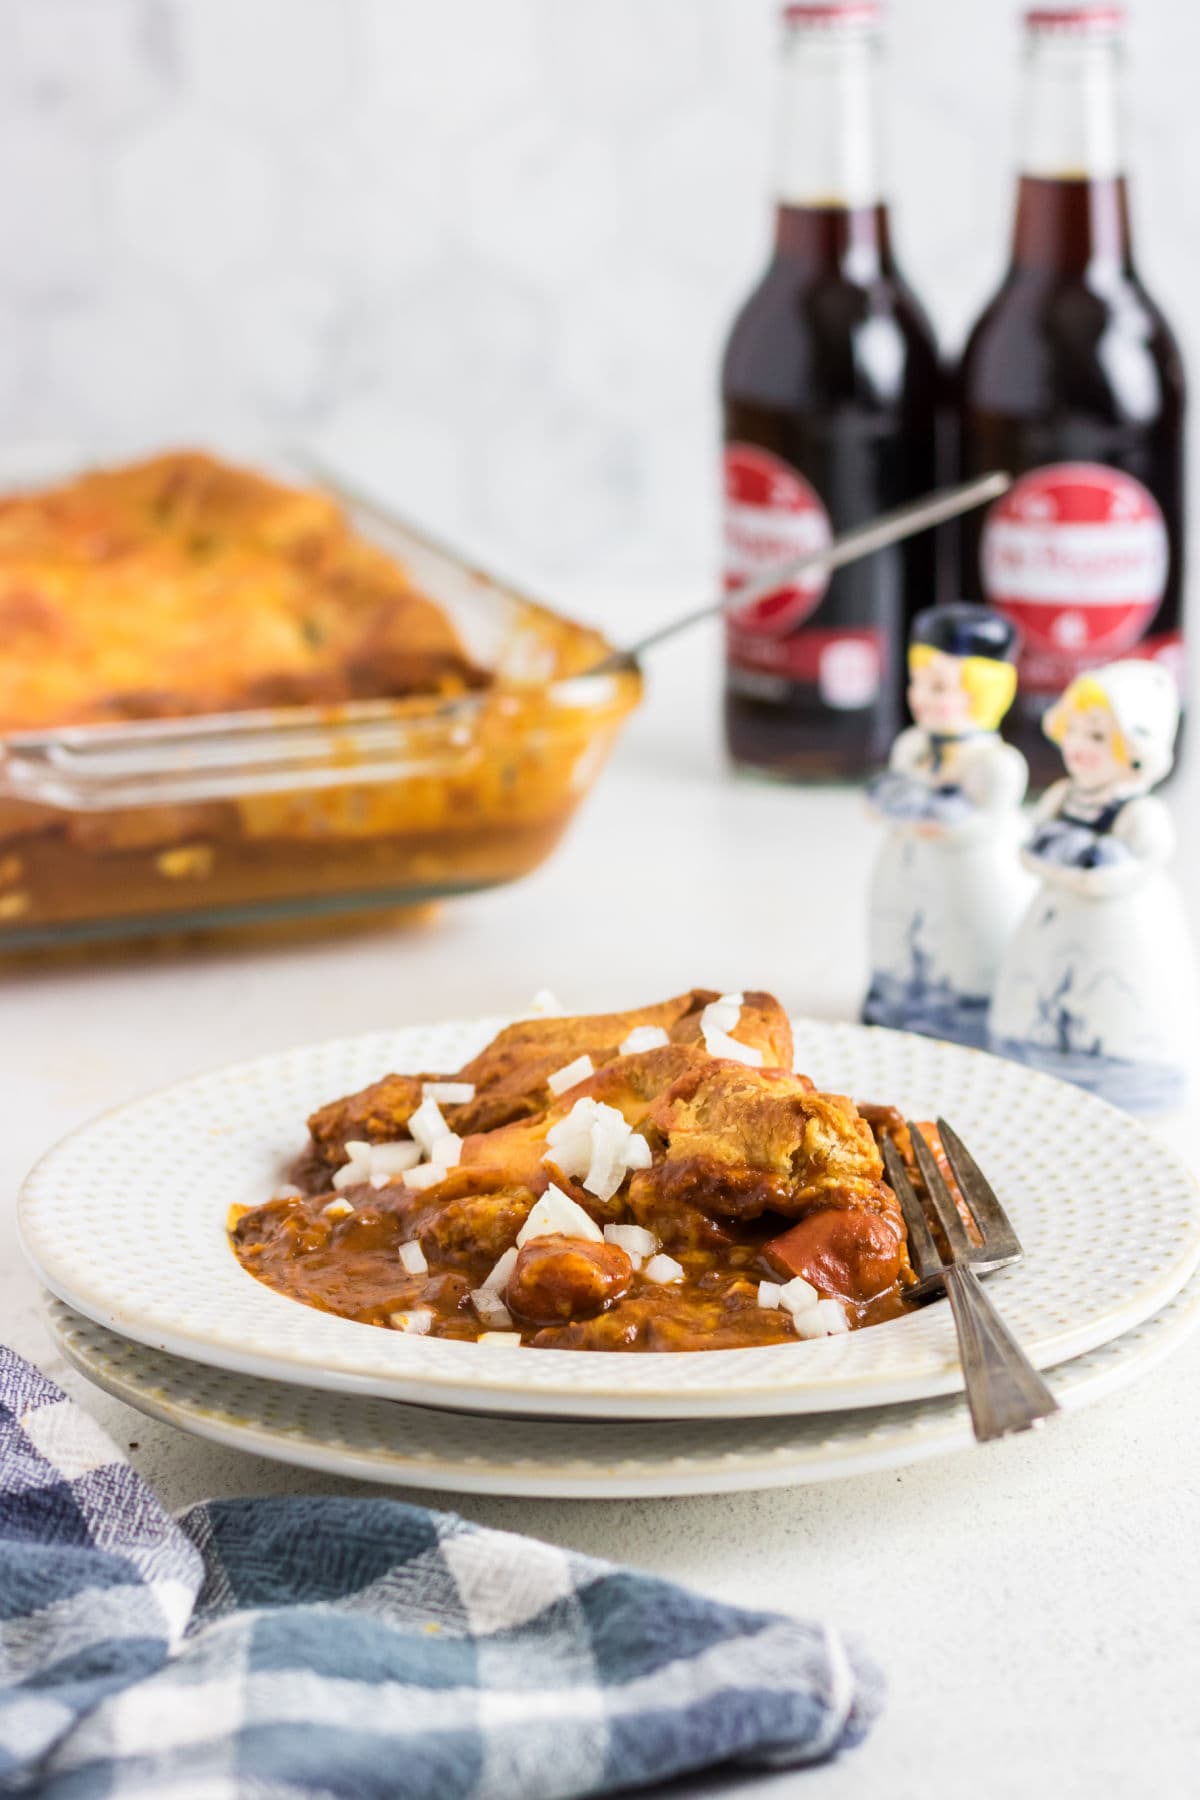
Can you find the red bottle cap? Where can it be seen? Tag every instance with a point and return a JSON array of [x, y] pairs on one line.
[[833, 13], [1092, 21]]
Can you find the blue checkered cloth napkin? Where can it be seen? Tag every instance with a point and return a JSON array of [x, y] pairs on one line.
[[359, 1648]]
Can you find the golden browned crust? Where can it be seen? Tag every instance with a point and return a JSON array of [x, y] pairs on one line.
[[745, 1174], [739, 1142], [184, 585], [511, 1074], [376, 1115]]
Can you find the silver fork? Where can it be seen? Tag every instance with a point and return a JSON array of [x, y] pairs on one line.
[[1004, 1391]]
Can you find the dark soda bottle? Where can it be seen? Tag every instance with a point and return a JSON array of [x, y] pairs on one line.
[[831, 390], [1072, 380]]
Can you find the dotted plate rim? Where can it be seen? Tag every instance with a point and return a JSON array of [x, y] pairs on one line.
[[124, 1221], [419, 1447]]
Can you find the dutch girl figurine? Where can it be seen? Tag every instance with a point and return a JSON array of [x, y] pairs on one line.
[[948, 888], [1098, 983]]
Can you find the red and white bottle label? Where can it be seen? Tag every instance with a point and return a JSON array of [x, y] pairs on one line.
[[771, 515], [1076, 554]]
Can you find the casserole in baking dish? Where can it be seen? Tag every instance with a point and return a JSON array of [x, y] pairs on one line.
[[222, 700]]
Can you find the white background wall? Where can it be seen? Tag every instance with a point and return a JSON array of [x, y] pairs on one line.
[[482, 252]]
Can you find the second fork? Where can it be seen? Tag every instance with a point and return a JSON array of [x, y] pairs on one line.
[[1004, 1391]]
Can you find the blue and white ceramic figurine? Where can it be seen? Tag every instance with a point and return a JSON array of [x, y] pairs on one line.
[[948, 888], [1099, 982]]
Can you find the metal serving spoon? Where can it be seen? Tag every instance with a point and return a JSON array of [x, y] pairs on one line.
[[889, 528]]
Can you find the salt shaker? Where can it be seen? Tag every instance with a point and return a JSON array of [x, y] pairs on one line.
[[948, 887], [1098, 984]]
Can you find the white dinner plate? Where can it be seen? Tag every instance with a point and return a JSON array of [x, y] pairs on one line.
[[125, 1220], [418, 1447]]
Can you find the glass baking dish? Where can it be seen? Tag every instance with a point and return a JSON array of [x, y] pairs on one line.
[[167, 825]]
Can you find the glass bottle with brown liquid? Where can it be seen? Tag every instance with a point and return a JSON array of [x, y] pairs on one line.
[[1072, 380], [831, 389]]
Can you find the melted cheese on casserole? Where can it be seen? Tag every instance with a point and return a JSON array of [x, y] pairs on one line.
[[184, 585]]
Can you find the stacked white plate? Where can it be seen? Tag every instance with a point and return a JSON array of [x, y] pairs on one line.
[[125, 1223]]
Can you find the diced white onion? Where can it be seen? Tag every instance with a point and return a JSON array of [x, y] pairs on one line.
[[644, 1037], [544, 1004], [392, 1159], [718, 1043], [491, 1309], [578, 1122], [448, 1093], [594, 1144], [338, 1209], [380, 1181], [606, 1169], [718, 1022], [798, 1295], [426, 1175], [768, 1295], [416, 1322], [498, 1279], [663, 1269], [573, 1157], [826, 1319], [570, 1140], [369, 1161], [833, 1316], [427, 1125], [447, 1152], [286, 1192], [412, 1258], [722, 1014], [634, 1240], [511, 1338], [570, 1074], [637, 1152], [557, 1215]]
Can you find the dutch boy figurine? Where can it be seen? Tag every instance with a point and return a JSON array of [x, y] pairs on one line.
[[948, 888], [1098, 983]]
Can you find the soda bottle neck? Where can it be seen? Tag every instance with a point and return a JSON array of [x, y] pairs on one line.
[[1072, 205], [1072, 226], [854, 240], [826, 154]]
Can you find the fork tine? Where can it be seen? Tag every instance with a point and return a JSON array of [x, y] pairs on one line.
[[999, 1238], [922, 1251], [940, 1198]]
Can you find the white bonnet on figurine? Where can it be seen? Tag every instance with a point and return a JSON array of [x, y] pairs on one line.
[[1144, 701]]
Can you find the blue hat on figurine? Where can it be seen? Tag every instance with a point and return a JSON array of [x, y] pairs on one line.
[[964, 628], [969, 649]]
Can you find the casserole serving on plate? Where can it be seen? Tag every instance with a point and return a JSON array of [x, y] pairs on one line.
[[224, 700], [127, 1220]]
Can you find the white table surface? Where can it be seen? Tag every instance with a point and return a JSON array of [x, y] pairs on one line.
[[1036, 1605]]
